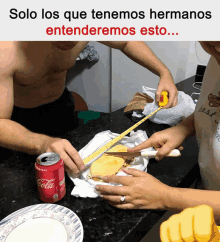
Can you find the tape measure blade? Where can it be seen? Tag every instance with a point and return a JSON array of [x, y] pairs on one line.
[[91, 161], [88, 160]]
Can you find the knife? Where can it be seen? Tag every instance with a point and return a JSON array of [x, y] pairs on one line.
[[173, 153]]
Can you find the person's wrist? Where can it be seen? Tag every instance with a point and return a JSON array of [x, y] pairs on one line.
[[42, 144], [186, 127], [165, 74], [182, 131], [169, 197]]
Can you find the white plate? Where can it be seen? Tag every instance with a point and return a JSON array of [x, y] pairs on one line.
[[42, 222]]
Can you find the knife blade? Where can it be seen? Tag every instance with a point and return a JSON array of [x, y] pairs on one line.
[[173, 153]]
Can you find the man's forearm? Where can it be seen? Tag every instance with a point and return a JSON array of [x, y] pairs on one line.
[[181, 198], [143, 55], [15, 136]]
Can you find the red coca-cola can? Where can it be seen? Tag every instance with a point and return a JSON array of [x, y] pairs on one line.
[[50, 176]]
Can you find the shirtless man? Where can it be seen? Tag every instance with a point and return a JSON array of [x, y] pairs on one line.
[[32, 74]]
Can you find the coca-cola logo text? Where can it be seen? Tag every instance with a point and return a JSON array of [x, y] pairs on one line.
[[44, 183]]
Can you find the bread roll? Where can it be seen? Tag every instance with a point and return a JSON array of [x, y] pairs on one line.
[[108, 164]]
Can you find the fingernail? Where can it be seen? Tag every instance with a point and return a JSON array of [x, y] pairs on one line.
[[82, 167], [97, 187], [159, 145], [132, 150], [157, 158], [125, 169], [101, 195]]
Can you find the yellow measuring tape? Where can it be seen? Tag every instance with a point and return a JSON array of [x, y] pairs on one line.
[[90, 158]]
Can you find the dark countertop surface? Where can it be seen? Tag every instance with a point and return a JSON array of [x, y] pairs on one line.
[[101, 221]]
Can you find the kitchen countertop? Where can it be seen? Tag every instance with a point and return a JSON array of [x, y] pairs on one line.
[[101, 222]]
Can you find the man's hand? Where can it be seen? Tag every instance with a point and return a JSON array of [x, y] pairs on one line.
[[72, 160], [139, 52], [163, 141], [141, 191], [193, 224], [167, 84]]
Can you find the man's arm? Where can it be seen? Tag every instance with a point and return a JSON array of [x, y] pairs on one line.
[[142, 54], [12, 134], [15, 136]]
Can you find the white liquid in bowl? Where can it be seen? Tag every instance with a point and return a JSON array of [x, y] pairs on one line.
[[39, 230]]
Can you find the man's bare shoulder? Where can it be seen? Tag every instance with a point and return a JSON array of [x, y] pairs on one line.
[[8, 53]]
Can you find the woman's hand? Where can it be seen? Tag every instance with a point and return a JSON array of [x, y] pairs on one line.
[[163, 141], [141, 191]]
